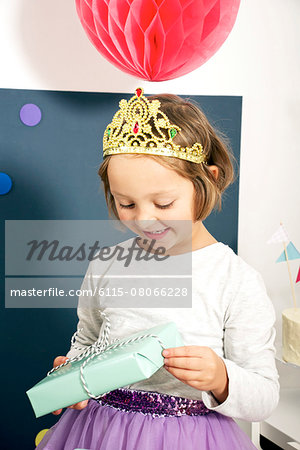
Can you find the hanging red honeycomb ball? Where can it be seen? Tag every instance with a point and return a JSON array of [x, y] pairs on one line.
[[157, 40]]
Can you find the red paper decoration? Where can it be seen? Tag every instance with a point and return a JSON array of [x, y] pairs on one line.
[[157, 39]]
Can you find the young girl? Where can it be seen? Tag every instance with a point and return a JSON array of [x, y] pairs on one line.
[[164, 164]]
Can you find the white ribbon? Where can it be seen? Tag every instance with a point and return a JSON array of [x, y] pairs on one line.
[[100, 346]]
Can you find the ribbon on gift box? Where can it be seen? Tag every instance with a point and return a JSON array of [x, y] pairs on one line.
[[101, 345]]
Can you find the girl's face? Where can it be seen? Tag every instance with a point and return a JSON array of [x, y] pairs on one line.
[[150, 197]]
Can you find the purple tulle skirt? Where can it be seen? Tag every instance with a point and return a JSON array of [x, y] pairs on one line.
[[138, 420]]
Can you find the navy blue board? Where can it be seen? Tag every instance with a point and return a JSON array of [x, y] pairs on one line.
[[53, 167]]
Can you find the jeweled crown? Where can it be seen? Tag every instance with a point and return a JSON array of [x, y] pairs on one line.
[[140, 127]]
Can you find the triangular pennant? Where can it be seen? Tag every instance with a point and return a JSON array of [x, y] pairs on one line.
[[292, 253], [280, 235], [298, 276]]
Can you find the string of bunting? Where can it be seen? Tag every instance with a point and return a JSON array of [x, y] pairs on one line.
[[289, 253]]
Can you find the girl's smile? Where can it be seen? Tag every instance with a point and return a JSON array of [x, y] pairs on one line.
[[157, 234]]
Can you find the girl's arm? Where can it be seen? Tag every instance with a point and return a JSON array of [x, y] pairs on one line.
[[249, 336], [90, 320], [88, 312]]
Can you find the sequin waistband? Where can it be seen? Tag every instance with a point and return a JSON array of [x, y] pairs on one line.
[[153, 403]]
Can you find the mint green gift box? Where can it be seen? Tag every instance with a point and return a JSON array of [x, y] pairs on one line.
[[112, 369]]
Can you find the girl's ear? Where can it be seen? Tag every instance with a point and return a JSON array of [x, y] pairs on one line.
[[214, 170]]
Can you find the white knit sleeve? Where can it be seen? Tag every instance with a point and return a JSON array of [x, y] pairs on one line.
[[249, 350], [88, 313]]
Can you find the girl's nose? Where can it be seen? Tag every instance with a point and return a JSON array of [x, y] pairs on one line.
[[144, 221]]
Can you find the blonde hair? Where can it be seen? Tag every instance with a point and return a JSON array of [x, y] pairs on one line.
[[195, 127]]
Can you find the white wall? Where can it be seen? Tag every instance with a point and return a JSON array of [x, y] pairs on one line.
[[43, 46]]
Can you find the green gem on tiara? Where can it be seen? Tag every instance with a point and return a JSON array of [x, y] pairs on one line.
[[108, 131], [173, 132]]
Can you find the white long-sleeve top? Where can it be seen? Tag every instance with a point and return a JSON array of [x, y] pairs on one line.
[[231, 313]]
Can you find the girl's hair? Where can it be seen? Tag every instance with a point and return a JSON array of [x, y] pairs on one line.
[[194, 128]]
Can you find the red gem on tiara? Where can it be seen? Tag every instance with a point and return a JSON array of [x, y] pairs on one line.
[[136, 128], [138, 92]]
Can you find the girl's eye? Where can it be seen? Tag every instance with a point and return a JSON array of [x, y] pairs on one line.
[[165, 206], [158, 206], [126, 206]]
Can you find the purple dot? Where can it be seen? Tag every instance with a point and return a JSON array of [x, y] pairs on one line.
[[30, 114], [5, 183]]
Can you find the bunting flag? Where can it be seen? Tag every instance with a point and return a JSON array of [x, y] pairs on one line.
[[280, 235], [298, 276], [292, 253]]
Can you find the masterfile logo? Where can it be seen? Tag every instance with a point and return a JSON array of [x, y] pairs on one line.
[[53, 263]]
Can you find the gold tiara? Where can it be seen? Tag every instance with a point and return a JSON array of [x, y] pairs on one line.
[[140, 127]]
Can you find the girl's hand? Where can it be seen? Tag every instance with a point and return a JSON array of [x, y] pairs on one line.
[[81, 405], [199, 367]]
